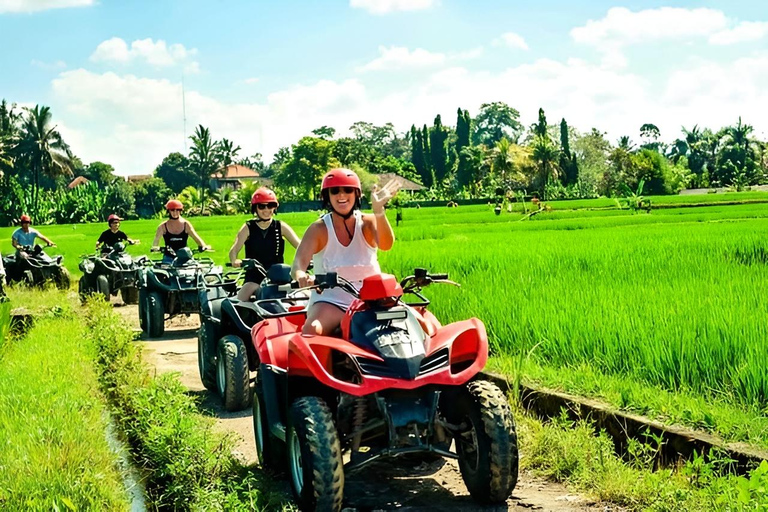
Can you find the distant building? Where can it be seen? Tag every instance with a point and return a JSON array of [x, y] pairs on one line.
[[405, 183], [234, 175], [80, 180], [135, 178]]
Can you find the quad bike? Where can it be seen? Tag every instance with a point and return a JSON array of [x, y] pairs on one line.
[[169, 289], [394, 381], [36, 269], [108, 273], [224, 358]]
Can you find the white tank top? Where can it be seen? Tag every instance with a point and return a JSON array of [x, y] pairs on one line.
[[354, 262]]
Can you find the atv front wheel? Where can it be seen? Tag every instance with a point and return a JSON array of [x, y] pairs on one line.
[[130, 295], [102, 287], [205, 360], [142, 309], [314, 455], [232, 377], [487, 442], [155, 315], [270, 449]]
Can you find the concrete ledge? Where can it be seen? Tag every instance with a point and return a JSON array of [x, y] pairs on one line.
[[679, 443]]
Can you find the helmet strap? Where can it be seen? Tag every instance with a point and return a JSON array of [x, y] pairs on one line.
[[344, 220]]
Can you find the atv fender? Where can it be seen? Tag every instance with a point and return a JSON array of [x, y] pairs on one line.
[[273, 396], [155, 283]]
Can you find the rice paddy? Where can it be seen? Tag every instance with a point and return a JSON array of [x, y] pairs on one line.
[[672, 299]]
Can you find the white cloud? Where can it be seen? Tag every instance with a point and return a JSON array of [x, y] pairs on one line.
[[251, 81], [622, 26], [133, 122], [512, 40], [49, 66], [28, 6], [745, 31], [387, 6], [399, 57], [155, 53]]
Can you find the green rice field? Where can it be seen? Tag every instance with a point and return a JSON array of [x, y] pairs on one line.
[[672, 300]]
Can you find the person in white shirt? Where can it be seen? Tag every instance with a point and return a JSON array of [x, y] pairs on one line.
[[345, 241]]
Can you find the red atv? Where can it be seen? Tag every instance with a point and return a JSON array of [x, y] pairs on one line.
[[393, 381]]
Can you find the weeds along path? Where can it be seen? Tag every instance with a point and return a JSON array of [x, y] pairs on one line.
[[381, 486]]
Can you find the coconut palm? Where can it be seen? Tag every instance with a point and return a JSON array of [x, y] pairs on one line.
[[41, 149], [226, 154], [546, 155], [203, 159]]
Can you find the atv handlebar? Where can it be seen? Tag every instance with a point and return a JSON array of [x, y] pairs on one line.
[[248, 264], [422, 278]]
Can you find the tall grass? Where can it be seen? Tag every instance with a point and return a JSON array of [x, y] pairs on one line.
[[53, 449], [666, 299], [5, 323]]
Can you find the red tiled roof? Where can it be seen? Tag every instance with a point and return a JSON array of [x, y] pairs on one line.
[[80, 180], [133, 178], [235, 171]]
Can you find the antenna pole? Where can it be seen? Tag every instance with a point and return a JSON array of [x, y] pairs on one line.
[[184, 111]]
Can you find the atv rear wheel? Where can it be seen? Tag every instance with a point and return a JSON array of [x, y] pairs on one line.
[[155, 315], [102, 286], [130, 295], [314, 455], [205, 360], [232, 377], [271, 450], [487, 445]]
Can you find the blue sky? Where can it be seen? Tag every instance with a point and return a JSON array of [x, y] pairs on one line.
[[266, 73]]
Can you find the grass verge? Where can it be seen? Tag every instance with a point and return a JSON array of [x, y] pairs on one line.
[[570, 453], [717, 416], [53, 448], [188, 466]]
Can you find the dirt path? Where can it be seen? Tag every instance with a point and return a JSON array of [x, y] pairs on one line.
[[381, 486]]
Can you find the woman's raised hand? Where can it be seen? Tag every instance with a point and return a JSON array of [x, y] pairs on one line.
[[380, 196]]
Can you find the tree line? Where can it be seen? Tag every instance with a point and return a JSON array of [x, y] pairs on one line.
[[485, 156]]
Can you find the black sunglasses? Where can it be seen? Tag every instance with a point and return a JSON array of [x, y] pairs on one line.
[[175, 210], [346, 190], [262, 206]]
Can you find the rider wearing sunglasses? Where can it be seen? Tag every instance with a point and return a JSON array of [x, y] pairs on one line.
[[263, 239], [176, 230], [344, 240]]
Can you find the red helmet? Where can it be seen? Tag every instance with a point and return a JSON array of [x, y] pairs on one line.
[[25, 218], [341, 178], [174, 204], [112, 217], [264, 195]]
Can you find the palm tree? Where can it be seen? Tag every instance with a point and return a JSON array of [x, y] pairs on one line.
[[626, 143], [737, 157], [203, 158], [545, 154], [41, 149], [226, 154]]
